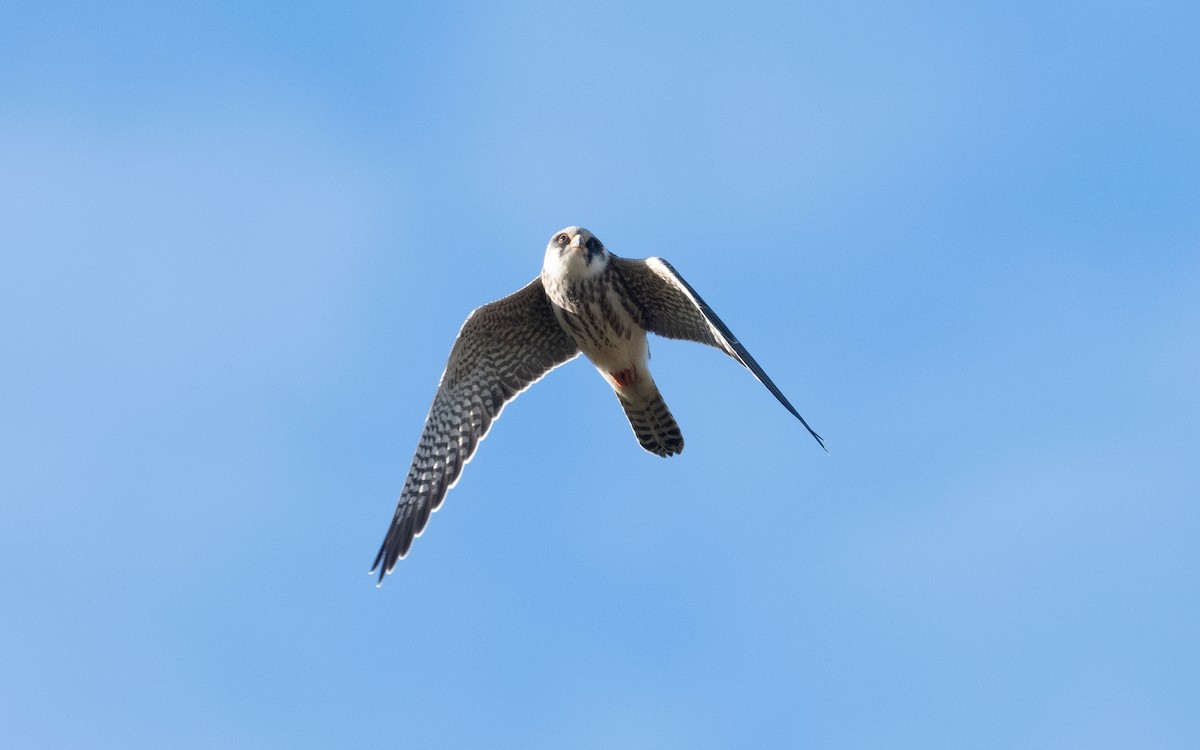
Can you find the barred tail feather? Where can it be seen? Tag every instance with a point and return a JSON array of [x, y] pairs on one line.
[[651, 420]]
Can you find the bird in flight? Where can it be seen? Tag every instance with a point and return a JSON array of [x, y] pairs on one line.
[[586, 300]]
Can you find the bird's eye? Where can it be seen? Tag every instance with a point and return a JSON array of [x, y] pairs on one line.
[[562, 239]]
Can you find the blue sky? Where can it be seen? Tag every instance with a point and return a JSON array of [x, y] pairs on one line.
[[236, 242]]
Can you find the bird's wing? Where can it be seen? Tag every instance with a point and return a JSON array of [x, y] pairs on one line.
[[671, 308], [503, 348]]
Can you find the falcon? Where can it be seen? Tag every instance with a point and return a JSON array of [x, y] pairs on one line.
[[586, 300]]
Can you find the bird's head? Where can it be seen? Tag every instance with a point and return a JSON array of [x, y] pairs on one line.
[[576, 252]]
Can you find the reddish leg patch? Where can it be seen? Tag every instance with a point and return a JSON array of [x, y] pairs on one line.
[[624, 377]]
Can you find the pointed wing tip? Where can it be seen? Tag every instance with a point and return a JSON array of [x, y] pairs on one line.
[[820, 440], [381, 566], [385, 563], [384, 571]]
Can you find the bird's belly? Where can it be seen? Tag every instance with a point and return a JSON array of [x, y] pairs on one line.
[[629, 352], [612, 342]]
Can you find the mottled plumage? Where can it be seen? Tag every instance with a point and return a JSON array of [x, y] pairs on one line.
[[585, 300]]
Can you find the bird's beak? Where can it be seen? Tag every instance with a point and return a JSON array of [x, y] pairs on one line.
[[576, 244]]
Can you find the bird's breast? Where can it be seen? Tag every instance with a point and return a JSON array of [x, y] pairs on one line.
[[600, 321]]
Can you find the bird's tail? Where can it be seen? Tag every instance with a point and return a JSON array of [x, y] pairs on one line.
[[651, 420]]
